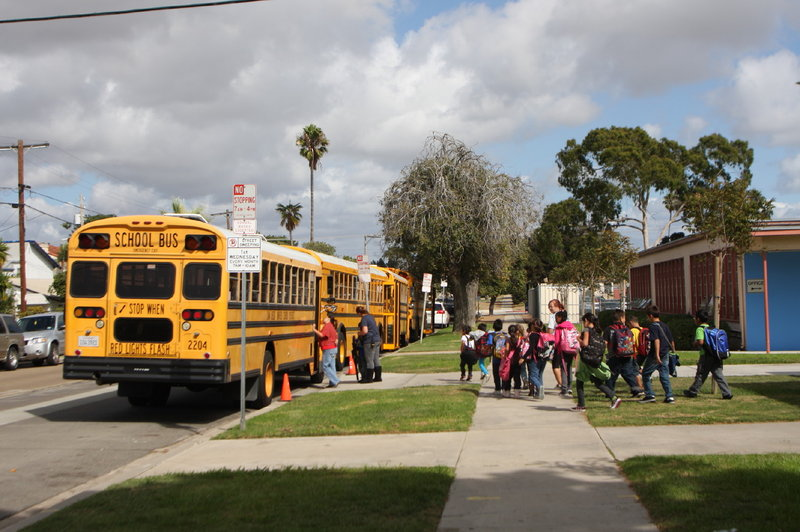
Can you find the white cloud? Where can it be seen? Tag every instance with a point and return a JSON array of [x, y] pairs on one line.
[[654, 130], [694, 127], [790, 174], [764, 99], [185, 104]]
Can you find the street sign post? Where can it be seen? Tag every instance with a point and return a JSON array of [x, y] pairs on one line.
[[244, 209], [244, 256], [364, 275], [427, 278]]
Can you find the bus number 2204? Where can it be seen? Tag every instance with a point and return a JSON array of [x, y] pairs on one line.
[[197, 345]]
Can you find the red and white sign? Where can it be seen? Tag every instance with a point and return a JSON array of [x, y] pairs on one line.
[[427, 278], [363, 268], [244, 209], [244, 202]]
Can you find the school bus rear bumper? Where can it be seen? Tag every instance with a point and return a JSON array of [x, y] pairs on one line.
[[109, 370]]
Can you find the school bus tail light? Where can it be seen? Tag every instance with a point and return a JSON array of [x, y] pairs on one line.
[[94, 241], [89, 312], [197, 315], [200, 242]]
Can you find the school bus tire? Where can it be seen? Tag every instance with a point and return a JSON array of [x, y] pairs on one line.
[[266, 382]]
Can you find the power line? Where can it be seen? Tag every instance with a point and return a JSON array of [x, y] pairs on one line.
[[126, 11]]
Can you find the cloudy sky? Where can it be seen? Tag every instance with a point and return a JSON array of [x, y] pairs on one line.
[[140, 109]]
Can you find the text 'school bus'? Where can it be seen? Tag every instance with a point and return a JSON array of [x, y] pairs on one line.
[[151, 305]]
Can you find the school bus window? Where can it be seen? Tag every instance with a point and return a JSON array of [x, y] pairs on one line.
[[233, 287], [255, 283], [202, 281], [295, 286], [146, 280], [281, 284], [273, 282], [88, 279], [264, 281]]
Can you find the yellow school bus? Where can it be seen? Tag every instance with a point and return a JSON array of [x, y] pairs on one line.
[[396, 317], [151, 305], [341, 292]]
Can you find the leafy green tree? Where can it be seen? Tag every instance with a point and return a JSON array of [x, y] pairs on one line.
[[290, 216], [600, 257], [6, 288], [320, 247], [557, 238], [313, 145], [721, 204], [454, 214], [616, 163]]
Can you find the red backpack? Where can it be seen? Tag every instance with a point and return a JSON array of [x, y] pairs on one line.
[[643, 343]]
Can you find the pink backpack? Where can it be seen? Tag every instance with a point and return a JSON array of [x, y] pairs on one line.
[[567, 339]]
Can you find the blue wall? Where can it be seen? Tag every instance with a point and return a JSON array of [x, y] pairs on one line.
[[784, 301]]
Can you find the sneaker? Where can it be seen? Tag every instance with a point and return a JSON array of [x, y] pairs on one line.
[[332, 385], [569, 392], [615, 402], [647, 399], [578, 408], [636, 395], [669, 400], [726, 397], [689, 393]]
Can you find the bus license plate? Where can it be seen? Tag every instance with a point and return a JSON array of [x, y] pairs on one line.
[[88, 341]]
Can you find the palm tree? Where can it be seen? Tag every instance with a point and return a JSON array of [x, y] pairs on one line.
[[290, 217], [313, 145], [179, 207]]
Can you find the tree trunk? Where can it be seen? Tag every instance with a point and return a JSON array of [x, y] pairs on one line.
[[465, 297], [717, 286], [311, 238]]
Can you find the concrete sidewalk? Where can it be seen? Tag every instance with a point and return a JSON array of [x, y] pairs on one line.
[[522, 465]]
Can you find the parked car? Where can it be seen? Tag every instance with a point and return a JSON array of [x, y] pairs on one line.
[[44, 337], [441, 318], [11, 341]]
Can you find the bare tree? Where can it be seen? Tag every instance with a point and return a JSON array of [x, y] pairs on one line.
[[456, 215]]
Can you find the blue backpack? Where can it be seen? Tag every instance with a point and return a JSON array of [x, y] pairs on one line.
[[715, 342]]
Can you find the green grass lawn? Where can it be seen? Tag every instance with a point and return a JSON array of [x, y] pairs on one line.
[[754, 358], [441, 340], [403, 410], [718, 492], [294, 499], [435, 363], [756, 399]]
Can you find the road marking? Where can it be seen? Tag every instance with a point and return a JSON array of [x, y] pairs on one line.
[[13, 415]]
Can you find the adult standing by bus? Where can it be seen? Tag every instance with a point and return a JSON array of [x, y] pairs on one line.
[[371, 345], [328, 340]]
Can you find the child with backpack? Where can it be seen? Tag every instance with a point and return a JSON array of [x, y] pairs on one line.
[[468, 354], [661, 343], [483, 347], [567, 348], [641, 342], [709, 362], [498, 337], [518, 348], [619, 340], [536, 358], [591, 367]]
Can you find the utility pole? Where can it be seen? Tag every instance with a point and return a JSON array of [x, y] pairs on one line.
[[227, 218], [23, 282]]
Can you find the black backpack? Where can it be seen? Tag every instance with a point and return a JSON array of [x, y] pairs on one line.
[[592, 354]]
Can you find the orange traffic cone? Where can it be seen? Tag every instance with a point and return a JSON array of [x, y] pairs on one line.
[[286, 391], [351, 369]]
